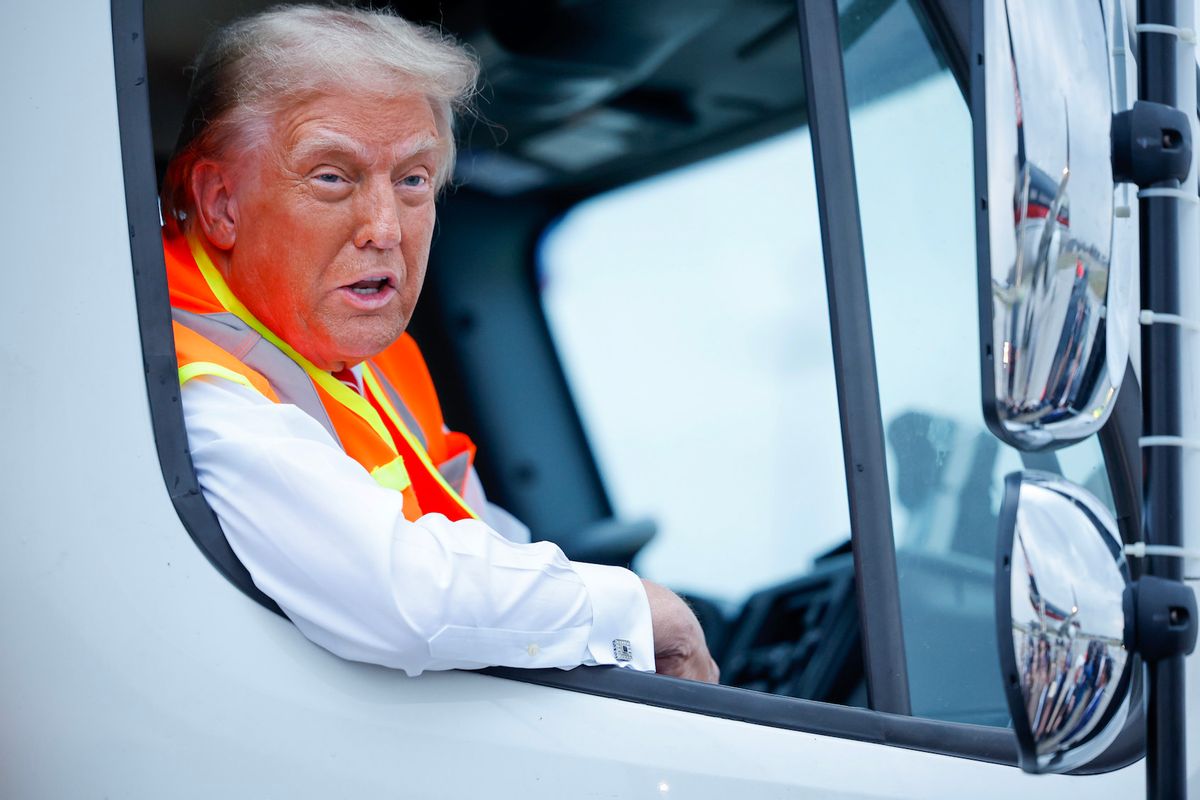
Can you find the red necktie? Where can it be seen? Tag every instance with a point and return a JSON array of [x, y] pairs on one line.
[[347, 377]]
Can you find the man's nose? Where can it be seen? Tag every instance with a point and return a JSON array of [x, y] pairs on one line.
[[379, 213]]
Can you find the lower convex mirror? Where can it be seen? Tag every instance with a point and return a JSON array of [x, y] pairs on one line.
[[1060, 577]]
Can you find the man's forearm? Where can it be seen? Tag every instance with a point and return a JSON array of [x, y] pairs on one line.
[[333, 548]]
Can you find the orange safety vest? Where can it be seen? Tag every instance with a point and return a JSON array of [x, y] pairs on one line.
[[394, 429]]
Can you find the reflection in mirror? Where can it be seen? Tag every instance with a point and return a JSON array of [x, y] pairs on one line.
[[1061, 578], [1055, 345]]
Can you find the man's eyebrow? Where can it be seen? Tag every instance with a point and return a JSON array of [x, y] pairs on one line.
[[417, 146], [328, 143], [335, 143]]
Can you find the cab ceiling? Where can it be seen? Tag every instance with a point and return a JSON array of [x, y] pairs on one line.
[[576, 93]]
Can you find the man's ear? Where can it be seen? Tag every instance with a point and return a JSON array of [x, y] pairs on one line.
[[216, 210]]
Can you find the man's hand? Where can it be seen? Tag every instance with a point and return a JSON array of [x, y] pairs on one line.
[[679, 647]]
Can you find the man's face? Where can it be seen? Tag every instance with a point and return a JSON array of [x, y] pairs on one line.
[[333, 221]]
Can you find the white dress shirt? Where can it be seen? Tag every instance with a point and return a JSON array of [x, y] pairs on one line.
[[333, 549]]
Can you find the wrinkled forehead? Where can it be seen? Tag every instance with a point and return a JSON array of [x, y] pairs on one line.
[[320, 142], [364, 126]]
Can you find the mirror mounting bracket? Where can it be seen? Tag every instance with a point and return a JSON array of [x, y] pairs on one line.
[[1151, 143], [1161, 618]]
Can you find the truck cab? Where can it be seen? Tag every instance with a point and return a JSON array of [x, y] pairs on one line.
[[705, 293]]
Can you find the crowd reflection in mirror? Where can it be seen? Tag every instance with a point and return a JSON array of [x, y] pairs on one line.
[[1066, 672]]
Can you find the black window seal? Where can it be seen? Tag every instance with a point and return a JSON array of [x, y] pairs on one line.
[[864, 450], [153, 305], [994, 745], [960, 740], [950, 23]]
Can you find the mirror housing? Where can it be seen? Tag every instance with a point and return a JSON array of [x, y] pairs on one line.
[[1057, 289], [1061, 588], [1151, 142]]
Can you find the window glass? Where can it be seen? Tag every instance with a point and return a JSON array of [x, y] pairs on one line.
[[913, 157], [689, 312]]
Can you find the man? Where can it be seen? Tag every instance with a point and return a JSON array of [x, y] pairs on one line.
[[299, 209]]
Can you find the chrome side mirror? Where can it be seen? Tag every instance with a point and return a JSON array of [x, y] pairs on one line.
[[1056, 308], [1061, 581]]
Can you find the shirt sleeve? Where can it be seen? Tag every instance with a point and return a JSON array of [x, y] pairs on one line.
[[333, 549]]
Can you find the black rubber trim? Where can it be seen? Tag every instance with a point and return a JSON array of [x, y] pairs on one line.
[[977, 742], [974, 742], [1006, 527], [863, 445], [983, 247], [153, 306], [950, 23], [1123, 460]]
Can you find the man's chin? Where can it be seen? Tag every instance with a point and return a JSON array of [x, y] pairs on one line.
[[349, 341], [362, 348]]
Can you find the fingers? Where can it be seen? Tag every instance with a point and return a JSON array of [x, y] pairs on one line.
[[701, 668], [679, 646]]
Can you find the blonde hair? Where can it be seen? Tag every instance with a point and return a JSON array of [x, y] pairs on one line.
[[254, 68]]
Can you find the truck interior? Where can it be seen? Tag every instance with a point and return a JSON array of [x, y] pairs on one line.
[[648, 381]]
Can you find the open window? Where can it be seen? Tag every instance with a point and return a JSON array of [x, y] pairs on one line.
[[689, 313]]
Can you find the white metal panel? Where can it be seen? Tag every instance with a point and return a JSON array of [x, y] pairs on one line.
[[129, 668]]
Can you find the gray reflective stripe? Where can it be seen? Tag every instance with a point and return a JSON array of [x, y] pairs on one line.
[[455, 471], [289, 380], [394, 398]]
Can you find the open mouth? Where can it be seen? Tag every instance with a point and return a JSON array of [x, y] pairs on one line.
[[370, 286]]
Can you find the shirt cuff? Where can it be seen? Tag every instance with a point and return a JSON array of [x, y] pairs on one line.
[[622, 633]]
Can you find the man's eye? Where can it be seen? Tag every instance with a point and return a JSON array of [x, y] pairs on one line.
[[413, 180], [329, 177]]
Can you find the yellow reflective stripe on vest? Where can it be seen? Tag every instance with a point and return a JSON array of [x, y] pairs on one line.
[[392, 475], [373, 386], [336, 389], [197, 368]]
